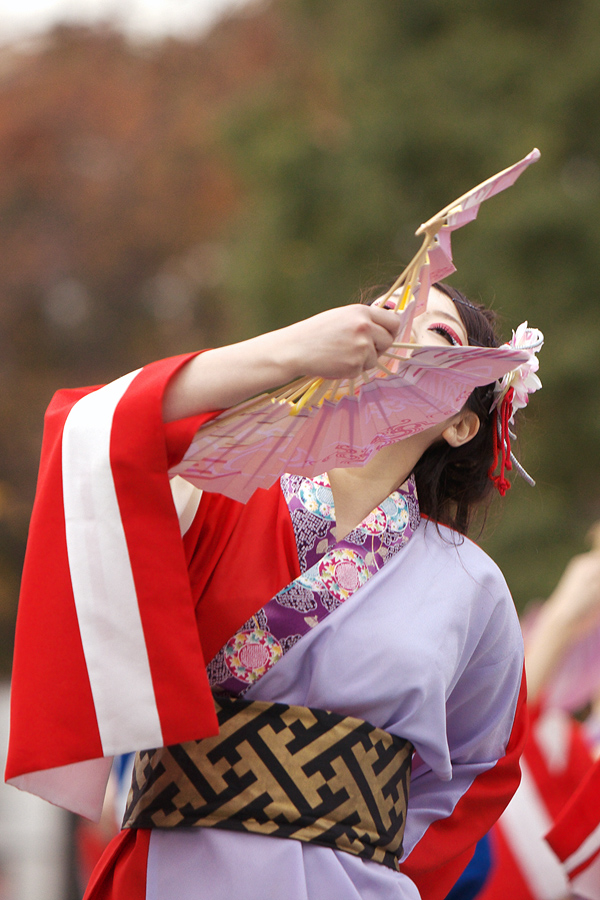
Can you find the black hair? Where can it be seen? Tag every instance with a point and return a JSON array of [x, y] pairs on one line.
[[453, 482]]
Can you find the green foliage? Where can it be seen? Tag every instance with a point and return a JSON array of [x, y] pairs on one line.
[[384, 112]]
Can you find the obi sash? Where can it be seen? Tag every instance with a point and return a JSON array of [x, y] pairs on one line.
[[284, 771]]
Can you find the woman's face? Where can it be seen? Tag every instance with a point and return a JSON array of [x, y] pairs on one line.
[[440, 324]]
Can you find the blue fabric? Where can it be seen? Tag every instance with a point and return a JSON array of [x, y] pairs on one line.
[[475, 875], [122, 767]]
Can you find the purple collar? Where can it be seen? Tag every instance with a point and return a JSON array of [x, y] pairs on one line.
[[331, 571]]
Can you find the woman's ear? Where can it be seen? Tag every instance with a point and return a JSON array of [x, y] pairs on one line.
[[462, 429]]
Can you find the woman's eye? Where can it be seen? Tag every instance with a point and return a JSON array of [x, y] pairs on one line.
[[447, 333]]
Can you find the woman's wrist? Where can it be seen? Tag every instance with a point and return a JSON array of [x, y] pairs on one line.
[[220, 378]]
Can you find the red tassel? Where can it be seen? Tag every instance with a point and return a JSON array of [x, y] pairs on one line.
[[502, 444]]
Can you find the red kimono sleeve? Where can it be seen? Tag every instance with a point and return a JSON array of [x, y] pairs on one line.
[[575, 835], [107, 657]]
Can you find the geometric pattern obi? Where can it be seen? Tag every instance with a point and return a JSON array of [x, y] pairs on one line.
[[331, 571], [284, 771]]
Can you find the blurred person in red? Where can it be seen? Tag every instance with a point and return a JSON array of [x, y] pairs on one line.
[[562, 652]]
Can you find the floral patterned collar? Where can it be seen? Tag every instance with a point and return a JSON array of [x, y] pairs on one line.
[[311, 506], [331, 571]]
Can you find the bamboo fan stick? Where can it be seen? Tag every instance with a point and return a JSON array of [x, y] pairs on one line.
[[390, 355], [403, 278], [405, 345], [439, 219], [431, 227], [291, 397], [293, 400], [294, 390], [289, 389], [411, 270], [297, 407], [319, 395], [330, 395]]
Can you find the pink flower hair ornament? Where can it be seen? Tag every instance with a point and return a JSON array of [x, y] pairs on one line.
[[510, 394]]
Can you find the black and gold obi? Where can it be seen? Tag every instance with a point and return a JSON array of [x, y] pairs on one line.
[[285, 771]]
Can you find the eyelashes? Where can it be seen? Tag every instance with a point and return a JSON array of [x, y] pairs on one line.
[[446, 332]]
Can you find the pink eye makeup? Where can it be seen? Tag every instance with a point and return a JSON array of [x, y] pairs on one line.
[[447, 332]]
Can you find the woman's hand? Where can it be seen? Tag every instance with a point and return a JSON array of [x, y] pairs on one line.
[[570, 612], [338, 343], [574, 606]]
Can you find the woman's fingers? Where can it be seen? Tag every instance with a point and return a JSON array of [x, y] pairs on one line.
[[381, 328], [342, 343], [386, 319]]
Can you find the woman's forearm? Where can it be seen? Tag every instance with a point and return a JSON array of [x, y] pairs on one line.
[[339, 343], [570, 612]]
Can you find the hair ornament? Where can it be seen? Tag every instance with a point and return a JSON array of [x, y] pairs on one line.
[[464, 302], [511, 393]]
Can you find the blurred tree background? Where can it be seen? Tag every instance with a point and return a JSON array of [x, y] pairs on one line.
[[155, 199]]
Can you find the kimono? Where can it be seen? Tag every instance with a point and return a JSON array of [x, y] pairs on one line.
[[124, 603]]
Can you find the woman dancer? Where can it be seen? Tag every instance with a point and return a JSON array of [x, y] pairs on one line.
[[345, 636]]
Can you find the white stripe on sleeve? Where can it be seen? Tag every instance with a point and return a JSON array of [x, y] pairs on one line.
[[585, 851], [524, 823], [103, 586]]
